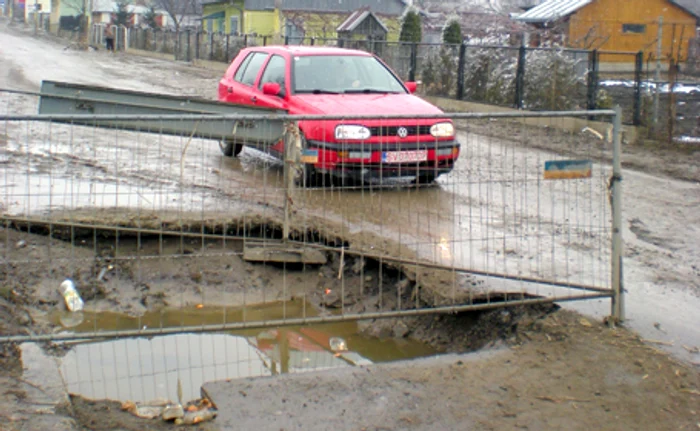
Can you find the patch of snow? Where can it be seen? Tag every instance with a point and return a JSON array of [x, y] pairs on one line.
[[688, 139], [648, 85]]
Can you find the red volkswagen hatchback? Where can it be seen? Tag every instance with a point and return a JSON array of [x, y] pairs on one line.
[[333, 81]]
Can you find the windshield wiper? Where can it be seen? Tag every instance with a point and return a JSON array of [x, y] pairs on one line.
[[369, 91], [318, 91]]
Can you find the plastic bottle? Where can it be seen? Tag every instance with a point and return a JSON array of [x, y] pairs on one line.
[[71, 296]]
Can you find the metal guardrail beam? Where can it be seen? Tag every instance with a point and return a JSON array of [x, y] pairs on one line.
[[148, 112], [82, 118]]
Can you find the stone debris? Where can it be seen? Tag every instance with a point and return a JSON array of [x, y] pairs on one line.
[[173, 412], [194, 412]]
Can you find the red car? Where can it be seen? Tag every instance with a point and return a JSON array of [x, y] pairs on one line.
[[307, 80]]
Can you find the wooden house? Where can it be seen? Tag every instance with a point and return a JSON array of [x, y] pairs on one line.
[[617, 26]]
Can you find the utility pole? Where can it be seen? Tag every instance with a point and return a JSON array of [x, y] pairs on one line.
[[657, 74], [36, 16], [85, 28]]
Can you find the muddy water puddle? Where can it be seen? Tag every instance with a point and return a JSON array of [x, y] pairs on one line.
[[143, 369]]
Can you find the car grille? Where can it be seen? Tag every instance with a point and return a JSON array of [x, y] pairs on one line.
[[392, 130]]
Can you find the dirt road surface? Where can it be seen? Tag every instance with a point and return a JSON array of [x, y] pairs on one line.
[[662, 262], [661, 235]]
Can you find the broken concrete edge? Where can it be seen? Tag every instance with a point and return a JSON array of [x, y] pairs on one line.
[[427, 279], [226, 394], [284, 254]]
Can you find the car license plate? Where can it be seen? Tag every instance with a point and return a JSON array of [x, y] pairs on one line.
[[404, 156]]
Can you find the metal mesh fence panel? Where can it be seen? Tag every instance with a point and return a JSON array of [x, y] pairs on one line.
[[279, 252]]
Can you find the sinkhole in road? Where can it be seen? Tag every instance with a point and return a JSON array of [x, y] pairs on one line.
[[145, 369]]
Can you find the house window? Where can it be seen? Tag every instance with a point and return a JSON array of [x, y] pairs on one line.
[[234, 25], [634, 28], [210, 25]]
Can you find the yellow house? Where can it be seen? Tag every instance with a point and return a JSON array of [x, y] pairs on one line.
[[296, 18], [616, 25]]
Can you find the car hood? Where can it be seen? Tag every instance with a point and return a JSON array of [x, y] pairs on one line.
[[364, 104]]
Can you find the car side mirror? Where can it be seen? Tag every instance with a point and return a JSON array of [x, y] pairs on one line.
[[271, 89], [411, 86]]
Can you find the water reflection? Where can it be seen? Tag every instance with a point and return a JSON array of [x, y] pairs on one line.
[[141, 369], [145, 369]]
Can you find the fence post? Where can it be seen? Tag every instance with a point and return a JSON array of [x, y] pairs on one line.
[[593, 58], [618, 309], [313, 41], [520, 77], [460, 70], [264, 40], [196, 44], [189, 45], [414, 62], [286, 39], [290, 138], [226, 57], [657, 71], [638, 66]]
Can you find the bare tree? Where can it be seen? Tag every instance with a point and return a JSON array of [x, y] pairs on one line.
[[177, 10], [78, 6]]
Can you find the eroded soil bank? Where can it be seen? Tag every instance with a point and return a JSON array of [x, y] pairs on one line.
[[548, 368]]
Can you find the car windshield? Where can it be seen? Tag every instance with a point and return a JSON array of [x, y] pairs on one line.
[[337, 74]]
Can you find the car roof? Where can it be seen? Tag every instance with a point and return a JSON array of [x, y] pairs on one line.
[[310, 50]]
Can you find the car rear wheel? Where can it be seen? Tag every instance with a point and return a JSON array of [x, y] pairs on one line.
[[230, 149]]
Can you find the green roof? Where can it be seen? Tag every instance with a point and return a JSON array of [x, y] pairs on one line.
[[217, 15]]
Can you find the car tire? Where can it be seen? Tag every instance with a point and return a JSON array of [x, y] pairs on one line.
[[309, 177], [425, 179], [230, 149]]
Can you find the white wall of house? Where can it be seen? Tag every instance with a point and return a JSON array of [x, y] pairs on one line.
[[40, 6], [101, 17]]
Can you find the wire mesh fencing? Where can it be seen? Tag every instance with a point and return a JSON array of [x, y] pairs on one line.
[[279, 250]]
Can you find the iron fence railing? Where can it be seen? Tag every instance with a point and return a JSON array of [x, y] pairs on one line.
[[508, 76]]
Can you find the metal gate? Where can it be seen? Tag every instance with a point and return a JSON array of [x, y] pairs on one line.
[[162, 235]]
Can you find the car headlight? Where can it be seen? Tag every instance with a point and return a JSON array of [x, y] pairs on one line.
[[442, 130], [347, 132]]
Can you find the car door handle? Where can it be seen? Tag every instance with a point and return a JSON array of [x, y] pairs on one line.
[[254, 99], [230, 89]]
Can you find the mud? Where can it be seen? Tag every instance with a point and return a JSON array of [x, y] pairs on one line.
[[677, 160], [562, 353]]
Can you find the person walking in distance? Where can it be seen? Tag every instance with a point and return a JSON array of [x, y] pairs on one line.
[[109, 38]]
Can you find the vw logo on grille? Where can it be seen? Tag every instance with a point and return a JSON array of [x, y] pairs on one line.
[[402, 132]]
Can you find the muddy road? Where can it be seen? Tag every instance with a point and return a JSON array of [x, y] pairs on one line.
[[484, 215], [493, 213]]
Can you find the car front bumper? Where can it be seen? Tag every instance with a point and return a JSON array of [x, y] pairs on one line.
[[335, 159]]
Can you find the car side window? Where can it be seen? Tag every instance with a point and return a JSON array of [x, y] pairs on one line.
[[251, 71], [241, 69], [274, 72]]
